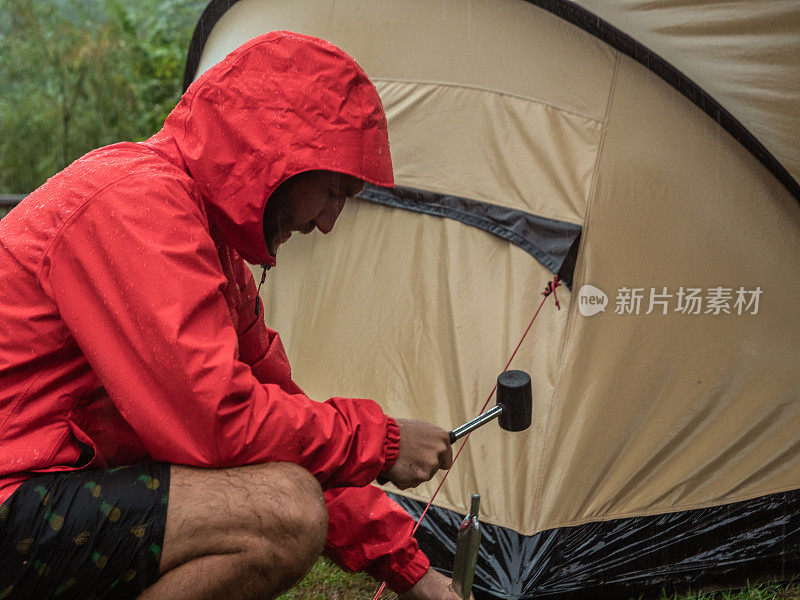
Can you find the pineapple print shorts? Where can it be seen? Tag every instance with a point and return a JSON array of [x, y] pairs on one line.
[[84, 534]]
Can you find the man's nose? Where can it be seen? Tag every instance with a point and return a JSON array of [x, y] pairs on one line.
[[327, 217]]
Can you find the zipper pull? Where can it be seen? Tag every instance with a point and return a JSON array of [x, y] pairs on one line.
[[258, 291]]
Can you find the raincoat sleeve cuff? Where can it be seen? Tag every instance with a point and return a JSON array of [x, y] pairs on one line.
[[392, 444], [403, 579]]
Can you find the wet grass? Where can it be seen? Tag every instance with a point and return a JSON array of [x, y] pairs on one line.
[[766, 591], [327, 582]]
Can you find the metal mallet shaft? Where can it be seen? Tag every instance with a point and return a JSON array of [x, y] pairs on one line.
[[481, 419], [514, 405]]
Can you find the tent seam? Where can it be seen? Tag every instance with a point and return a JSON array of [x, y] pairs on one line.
[[606, 518], [484, 198], [546, 449], [672, 510], [624, 43], [436, 208], [490, 91]]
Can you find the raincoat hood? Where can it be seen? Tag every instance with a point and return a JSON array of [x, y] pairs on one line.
[[281, 104]]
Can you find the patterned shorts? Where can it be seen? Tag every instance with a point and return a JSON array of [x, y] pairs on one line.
[[84, 534]]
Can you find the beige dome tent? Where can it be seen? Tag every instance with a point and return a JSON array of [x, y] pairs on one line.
[[649, 154]]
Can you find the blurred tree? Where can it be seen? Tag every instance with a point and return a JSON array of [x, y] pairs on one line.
[[76, 75]]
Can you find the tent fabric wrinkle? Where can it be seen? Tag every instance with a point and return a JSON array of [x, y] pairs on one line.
[[500, 92], [511, 146]]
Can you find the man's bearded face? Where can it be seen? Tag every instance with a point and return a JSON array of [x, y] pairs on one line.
[[305, 202]]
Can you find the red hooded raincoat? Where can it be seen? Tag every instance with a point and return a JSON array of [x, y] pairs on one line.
[[128, 315]]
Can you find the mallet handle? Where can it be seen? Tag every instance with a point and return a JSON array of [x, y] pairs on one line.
[[481, 419]]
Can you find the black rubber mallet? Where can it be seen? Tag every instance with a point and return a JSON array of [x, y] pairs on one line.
[[513, 409]]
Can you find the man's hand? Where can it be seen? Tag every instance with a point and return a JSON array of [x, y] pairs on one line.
[[424, 449], [432, 586]]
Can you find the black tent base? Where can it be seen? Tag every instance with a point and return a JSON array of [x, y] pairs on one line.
[[720, 547]]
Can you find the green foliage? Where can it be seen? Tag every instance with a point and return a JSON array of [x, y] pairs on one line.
[[76, 75]]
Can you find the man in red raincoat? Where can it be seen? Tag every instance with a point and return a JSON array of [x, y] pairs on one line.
[[152, 441]]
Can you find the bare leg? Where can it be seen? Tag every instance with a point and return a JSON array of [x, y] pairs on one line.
[[242, 533]]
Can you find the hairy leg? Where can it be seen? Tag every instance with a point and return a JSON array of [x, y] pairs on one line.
[[241, 533]]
